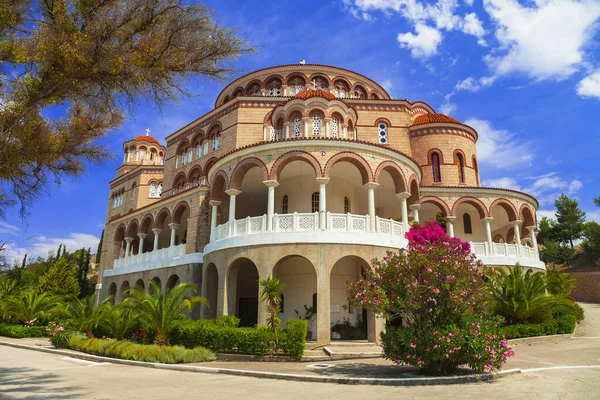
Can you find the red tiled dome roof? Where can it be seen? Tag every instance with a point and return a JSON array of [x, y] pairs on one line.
[[144, 138], [430, 118], [314, 93]]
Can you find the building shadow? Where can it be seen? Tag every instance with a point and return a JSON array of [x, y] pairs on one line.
[[32, 383]]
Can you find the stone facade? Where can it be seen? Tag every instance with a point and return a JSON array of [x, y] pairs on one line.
[[305, 172]]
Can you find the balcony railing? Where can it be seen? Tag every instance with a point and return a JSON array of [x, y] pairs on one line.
[[309, 222], [482, 249], [151, 257]]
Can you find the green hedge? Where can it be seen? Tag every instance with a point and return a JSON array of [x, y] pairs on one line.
[[562, 325], [127, 350], [257, 341], [20, 331]]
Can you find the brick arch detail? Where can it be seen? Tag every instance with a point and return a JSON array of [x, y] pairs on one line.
[[396, 173], [209, 164], [438, 202], [195, 169], [143, 223], [413, 183], [133, 222], [385, 121], [121, 226], [522, 215], [217, 188], [296, 155], [237, 177], [162, 211], [176, 209], [478, 204], [358, 161], [507, 206]]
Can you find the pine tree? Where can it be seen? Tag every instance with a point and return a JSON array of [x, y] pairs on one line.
[[99, 251], [570, 219], [60, 280]]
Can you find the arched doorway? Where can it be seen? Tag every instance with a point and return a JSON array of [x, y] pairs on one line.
[[299, 295], [122, 294], [211, 291], [156, 279], [112, 291], [140, 283], [242, 291], [348, 323], [172, 281]]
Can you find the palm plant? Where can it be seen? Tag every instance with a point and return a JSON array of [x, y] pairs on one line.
[[119, 319], [29, 307], [86, 315], [559, 283], [160, 309], [520, 296], [8, 287], [270, 295]]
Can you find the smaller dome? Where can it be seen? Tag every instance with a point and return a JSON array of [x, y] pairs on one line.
[[315, 93], [145, 138], [431, 118]]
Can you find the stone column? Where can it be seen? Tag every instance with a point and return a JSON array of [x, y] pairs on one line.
[[322, 203], [157, 232], [323, 305], [173, 227], [270, 203], [404, 207], [345, 127], [264, 133], [287, 130], [327, 123], [232, 195], [532, 229], [142, 236], [450, 225], [213, 217], [194, 241], [305, 121], [488, 233], [128, 241], [517, 228], [415, 209], [371, 196]]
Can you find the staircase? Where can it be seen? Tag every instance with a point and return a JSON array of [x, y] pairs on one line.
[[340, 350]]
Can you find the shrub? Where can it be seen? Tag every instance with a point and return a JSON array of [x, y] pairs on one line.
[[20, 331], [563, 325], [440, 290], [127, 350], [576, 311], [347, 331], [226, 320], [59, 335], [292, 340], [257, 341]]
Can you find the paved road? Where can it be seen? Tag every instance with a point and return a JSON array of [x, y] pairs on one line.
[[26, 374]]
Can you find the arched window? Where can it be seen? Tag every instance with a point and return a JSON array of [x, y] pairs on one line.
[[383, 133], [297, 121], [435, 167], [190, 155], [335, 127], [315, 202], [199, 150], [133, 154], [184, 157], [159, 190], [142, 153], [476, 168], [284, 205], [316, 122], [275, 91], [272, 133], [216, 142], [153, 188], [346, 205], [467, 223], [460, 165], [205, 147]]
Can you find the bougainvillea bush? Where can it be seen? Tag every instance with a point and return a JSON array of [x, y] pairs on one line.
[[440, 291]]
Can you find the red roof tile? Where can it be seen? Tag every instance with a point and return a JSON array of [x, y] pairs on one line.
[[430, 118], [314, 93], [143, 138]]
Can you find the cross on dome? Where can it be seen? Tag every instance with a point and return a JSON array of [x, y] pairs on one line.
[[147, 131]]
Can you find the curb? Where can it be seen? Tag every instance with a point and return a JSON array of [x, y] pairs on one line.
[[417, 381], [539, 339]]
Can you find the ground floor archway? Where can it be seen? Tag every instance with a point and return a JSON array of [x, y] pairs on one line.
[[242, 291]]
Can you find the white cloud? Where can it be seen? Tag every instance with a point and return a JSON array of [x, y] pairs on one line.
[[500, 148], [550, 214], [546, 40], [469, 84], [8, 228], [43, 245], [546, 188], [422, 45], [590, 85], [473, 26], [469, 2], [448, 108]]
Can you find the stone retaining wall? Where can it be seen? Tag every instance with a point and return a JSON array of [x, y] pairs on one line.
[[587, 287]]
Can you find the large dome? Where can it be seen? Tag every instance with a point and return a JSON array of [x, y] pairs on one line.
[[145, 138]]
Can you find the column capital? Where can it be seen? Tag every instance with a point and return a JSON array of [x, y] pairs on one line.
[[532, 228], [371, 185], [142, 235], [271, 183], [489, 219], [129, 239], [403, 195], [233, 192], [451, 218], [214, 203], [173, 225], [323, 181], [415, 207], [517, 222], [157, 231]]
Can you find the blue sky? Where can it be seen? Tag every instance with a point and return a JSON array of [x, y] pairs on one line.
[[525, 74]]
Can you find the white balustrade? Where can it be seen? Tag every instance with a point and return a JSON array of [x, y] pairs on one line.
[[151, 256], [503, 250]]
